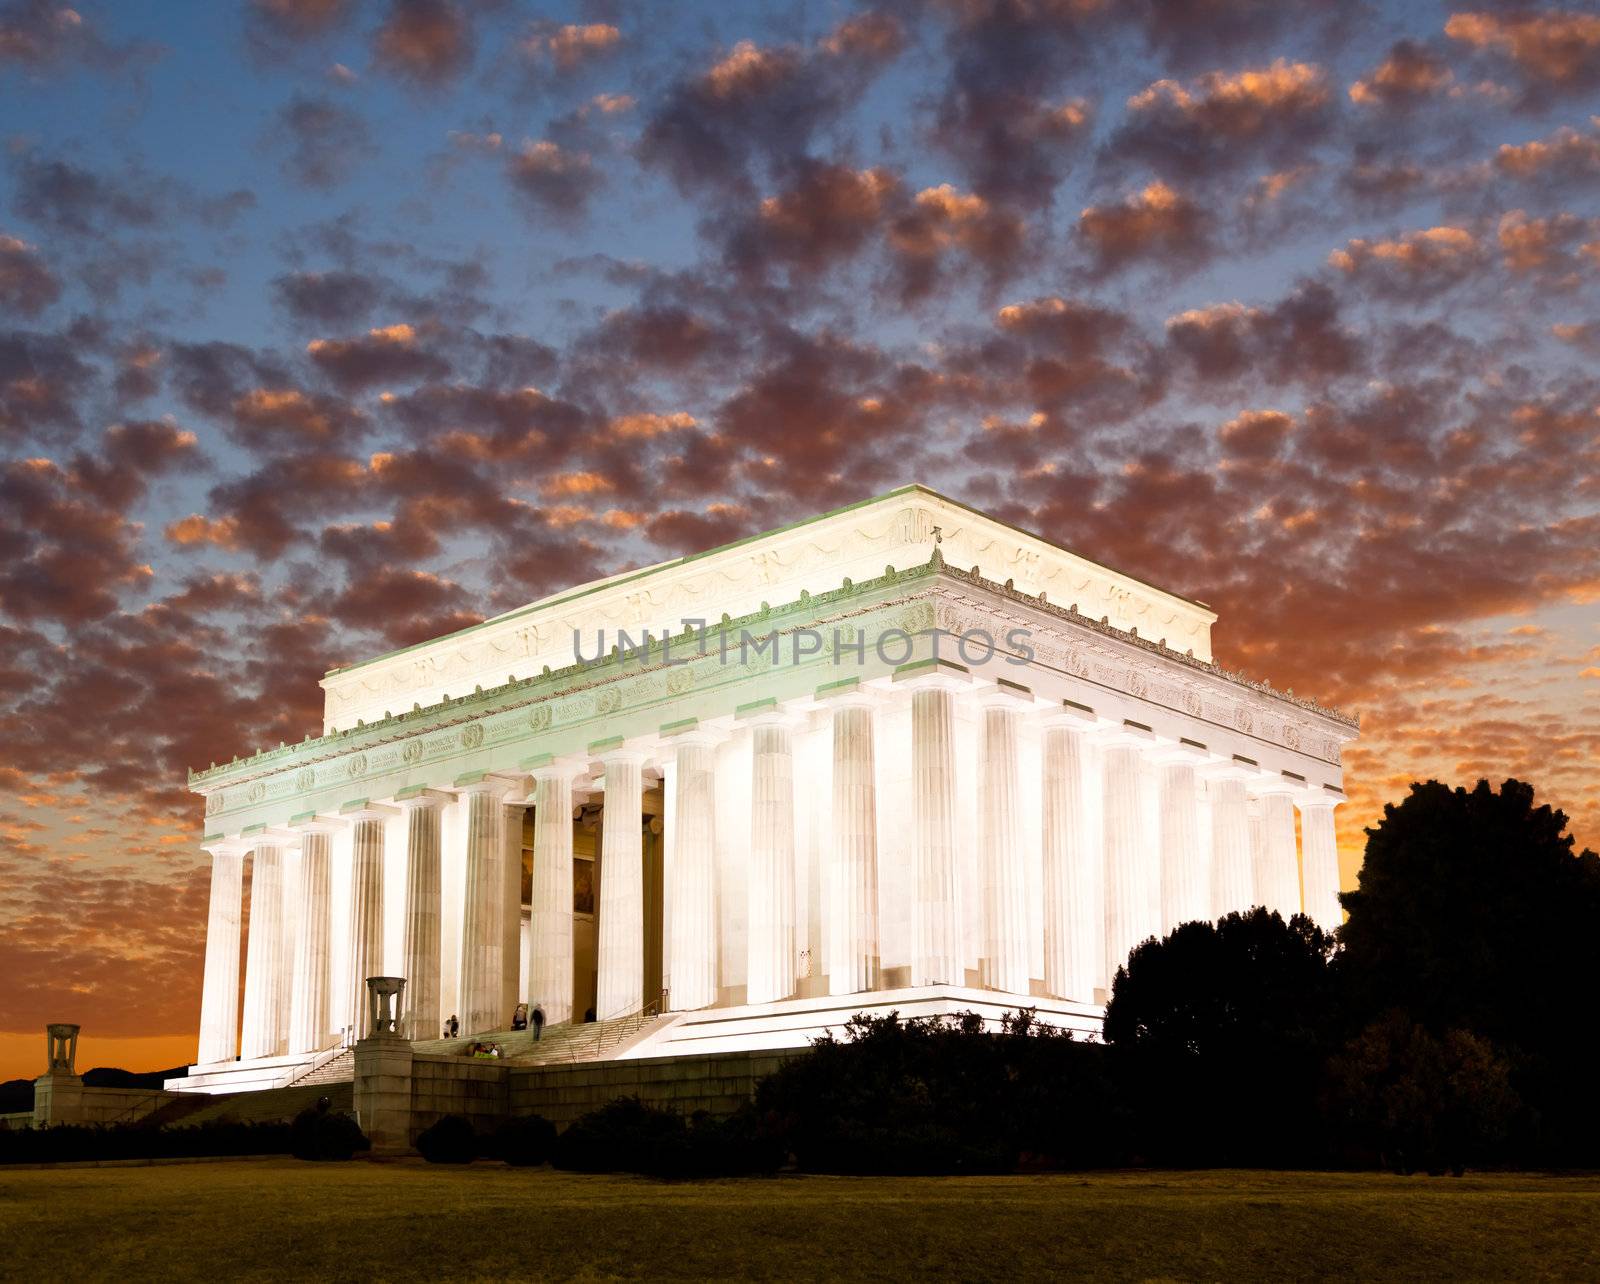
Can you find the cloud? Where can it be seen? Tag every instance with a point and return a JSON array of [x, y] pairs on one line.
[[1555, 52], [276, 28], [553, 180], [429, 42], [1410, 74], [67, 199], [326, 141], [1157, 225], [1416, 264], [573, 45], [1223, 121], [334, 298], [26, 284], [385, 354]]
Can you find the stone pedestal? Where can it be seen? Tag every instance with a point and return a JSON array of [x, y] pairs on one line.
[[382, 1092]]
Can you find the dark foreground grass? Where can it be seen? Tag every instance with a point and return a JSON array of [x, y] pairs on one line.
[[283, 1219]]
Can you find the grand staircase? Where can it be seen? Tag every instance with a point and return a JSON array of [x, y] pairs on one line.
[[570, 1042]]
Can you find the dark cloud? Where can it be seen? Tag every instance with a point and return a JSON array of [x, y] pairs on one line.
[[326, 142], [333, 298], [756, 108], [1157, 226], [1223, 122], [1554, 53], [384, 355], [1409, 75], [277, 27], [26, 284], [67, 199], [429, 42], [552, 180]]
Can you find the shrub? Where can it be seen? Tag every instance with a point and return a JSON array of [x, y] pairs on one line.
[[73, 1143], [450, 1140], [324, 1134], [526, 1141], [629, 1136], [945, 1095]]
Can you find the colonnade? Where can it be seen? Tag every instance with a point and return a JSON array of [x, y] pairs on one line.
[[1136, 834]]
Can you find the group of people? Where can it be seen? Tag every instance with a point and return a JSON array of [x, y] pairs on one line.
[[520, 1020]]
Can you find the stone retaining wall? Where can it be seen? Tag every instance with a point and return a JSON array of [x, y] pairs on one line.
[[718, 1084]]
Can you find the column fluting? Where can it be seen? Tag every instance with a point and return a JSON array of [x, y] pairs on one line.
[[424, 1014], [937, 958], [1005, 922], [266, 1026], [1319, 858], [550, 950], [219, 1000], [1279, 875], [1233, 879], [1185, 879], [311, 1013], [855, 841], [481, 927], [1074, 869], [692, 946], [1133, 867], [620, 950], [366, 913], [771, 972]]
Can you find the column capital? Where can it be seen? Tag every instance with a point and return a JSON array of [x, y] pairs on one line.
[[1069, 715], [1328, 796], [1267, 784], [615, 749], [1127, 735], [1002, 694], [549, 766], [365, 809], [422, 796], [1180, 753], [765, 713], [489, 782], [308, 822], [217, 845], [848, 693], [1243, 770], [932, 674]]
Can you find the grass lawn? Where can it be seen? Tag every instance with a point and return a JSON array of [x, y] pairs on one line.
[[282, 1219]]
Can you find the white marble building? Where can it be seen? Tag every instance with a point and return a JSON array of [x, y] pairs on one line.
[[879, 810]]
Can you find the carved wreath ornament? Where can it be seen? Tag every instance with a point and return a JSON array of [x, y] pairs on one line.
[[472, 736]]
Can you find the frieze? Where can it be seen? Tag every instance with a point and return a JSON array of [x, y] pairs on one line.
[[597, 692]]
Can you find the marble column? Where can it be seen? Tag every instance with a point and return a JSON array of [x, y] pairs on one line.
[[771, 972], [550, 957], [1074, 867], [1319, 857], [692, 944], [1133, 863], [511, 908], [1233, 879], [481, 924], [1004, 960], [855, 841], [1185, 879], [219, 1000], [620, 949], [423, 1015], [1278, 876], [311, 1025], [266, 985], [937, 957], [366, 906]]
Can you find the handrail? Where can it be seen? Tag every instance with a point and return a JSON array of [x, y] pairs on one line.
[[613, 1031], [330, 1053]]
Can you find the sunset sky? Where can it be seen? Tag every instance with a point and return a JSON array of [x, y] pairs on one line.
[[329, 326]]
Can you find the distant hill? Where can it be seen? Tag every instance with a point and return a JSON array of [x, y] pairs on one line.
[[17, 1094]]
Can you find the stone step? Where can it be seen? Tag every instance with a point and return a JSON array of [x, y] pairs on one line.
[[272, 1105]]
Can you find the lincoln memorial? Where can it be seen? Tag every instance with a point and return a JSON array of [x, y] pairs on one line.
[[901, 756]]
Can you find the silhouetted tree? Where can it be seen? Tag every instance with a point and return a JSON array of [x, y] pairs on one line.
[[1472, 913], [1220, 1032], [1408, 1100]]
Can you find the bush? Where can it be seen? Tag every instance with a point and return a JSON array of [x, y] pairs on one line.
[[324, 1134], [526, 1141], [629, 1136], [1411, 1101], [73, 1143], [451, 1140], [945, 1095]]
